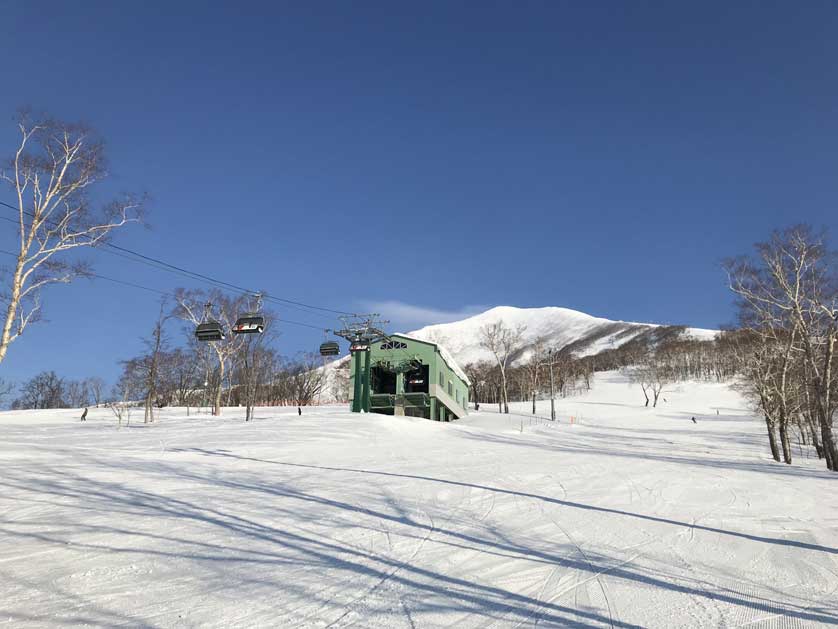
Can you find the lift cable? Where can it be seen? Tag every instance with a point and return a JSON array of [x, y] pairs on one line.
[[163, 293], [173, 268], [217, 286]]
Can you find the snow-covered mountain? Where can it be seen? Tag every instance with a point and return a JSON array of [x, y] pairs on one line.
[[558, 328]]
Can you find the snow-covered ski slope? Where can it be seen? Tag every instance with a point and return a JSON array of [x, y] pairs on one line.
[[556, 327], [629, 517]]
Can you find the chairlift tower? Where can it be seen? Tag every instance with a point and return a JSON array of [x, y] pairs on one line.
[[362, 331]]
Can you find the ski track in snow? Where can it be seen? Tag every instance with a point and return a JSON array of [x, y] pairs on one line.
[[631, 517]]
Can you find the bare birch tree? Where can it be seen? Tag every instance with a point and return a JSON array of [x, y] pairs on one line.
[[479, 375], [759, 370], [639, 374], [534, 367], [156, 344], [659, 378], [789, 294], [96, 386], [254, 365], [306, 379], [190, 308], [503, 342], [185, 369], [76, 393], [51, 175]]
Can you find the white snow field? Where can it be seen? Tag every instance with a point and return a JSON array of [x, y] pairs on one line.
[[629, 517]]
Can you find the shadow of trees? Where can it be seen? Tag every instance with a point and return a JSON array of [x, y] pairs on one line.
[[224, 520], [642, 449]]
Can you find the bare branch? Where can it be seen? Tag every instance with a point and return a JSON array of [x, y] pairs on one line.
[[53, 168]]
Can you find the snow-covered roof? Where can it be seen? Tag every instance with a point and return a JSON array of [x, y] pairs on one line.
[[446, 356]]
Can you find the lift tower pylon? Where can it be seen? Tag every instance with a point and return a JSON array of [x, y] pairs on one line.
[[362, 331]]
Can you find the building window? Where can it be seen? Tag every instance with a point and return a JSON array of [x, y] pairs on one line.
[[458, 396], [394, 345], [441, 379], [450, 388]]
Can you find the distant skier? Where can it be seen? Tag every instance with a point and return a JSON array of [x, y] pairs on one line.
[[695, 422], [299, 411], [477, 406], [84, 415]]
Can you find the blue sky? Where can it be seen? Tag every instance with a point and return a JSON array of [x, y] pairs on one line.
[[431, 158]]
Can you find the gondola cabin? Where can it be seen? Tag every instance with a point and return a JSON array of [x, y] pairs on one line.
[[209, 331], [249, 324], [329, 348]]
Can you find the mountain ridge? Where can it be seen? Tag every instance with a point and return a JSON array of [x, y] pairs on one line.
[[557, 327]]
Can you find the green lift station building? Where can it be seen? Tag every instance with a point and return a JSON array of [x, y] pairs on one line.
[[401, 375]]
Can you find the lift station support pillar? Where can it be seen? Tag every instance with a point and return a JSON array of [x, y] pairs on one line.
[[367, 402], [357, 396], [361, 331]]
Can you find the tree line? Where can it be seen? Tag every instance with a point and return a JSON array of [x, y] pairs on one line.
[[240, 370], [653, 358], [48, 390]]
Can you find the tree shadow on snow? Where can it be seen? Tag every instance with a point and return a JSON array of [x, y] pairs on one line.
[[260, 545], [548, 499], [611, 447], [442, 593]]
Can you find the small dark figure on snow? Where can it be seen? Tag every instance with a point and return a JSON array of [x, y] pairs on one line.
[[84, 415], [299, 411], [477, 406], [695, 422]]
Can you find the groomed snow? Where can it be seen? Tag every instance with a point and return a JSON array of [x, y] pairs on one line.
[[629, 517]]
